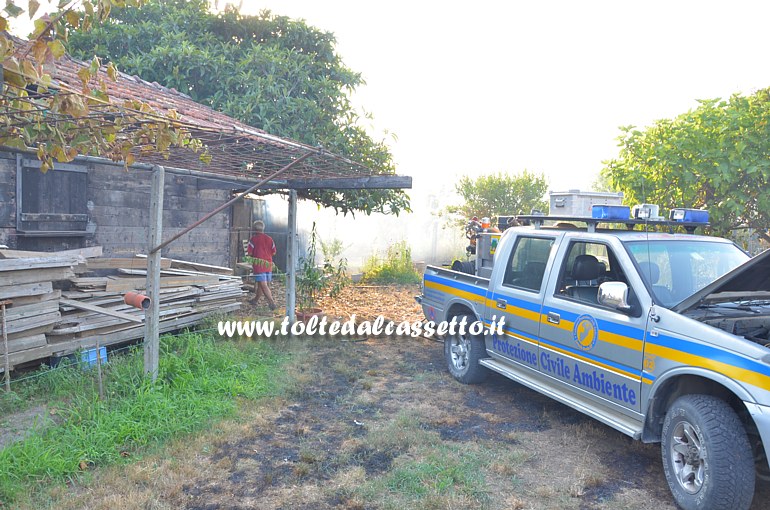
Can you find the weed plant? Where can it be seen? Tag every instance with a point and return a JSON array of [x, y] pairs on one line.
[[314, 281], [198, 380], [395, 267]]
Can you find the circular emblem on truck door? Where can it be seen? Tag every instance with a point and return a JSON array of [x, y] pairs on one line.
[[585, 332]]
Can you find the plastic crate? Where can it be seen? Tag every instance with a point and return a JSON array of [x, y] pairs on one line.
[[610, 212], [88, 358]]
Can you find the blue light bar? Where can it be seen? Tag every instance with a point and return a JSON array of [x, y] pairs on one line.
[[689, 215], [610, 212]]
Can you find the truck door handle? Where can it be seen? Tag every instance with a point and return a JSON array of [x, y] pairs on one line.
[[502, 303], [553, 318]]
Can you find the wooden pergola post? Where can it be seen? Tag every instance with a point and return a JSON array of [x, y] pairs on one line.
[[152, 314], [291, 259]]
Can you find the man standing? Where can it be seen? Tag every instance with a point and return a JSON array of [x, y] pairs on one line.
[[262, 248]]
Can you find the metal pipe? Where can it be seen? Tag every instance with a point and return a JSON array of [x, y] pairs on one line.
[[231, 202]]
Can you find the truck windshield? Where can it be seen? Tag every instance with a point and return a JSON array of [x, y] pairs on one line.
[[675, 270]]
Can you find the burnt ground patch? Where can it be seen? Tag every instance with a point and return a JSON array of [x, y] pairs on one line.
[[324, 430], [594, 495], [381, 425], [374, 461]]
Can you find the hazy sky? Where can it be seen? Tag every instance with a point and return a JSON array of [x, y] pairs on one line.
[[478, 87]]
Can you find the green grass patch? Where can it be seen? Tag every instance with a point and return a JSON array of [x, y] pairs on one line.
[[200, 378], [432, 477], [395, 267]]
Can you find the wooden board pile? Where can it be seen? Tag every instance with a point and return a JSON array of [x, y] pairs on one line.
[[43, 321], [94, 308], [31, 303]]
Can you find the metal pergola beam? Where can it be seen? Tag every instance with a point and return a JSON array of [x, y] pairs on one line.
[[345, 183], [230, 202], [342, 183]]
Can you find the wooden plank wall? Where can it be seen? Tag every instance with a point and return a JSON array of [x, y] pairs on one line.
[[118, 204]]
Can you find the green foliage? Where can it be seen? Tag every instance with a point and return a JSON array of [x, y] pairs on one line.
[[314, 280], [199, 379], [335, 266], [395, 267], [716, 157], [269, 71], [499, 194]]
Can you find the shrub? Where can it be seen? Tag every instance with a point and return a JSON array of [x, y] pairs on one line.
[[395, 267], [314, 281]]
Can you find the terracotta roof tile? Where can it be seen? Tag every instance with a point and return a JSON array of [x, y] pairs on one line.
[[237, 149]]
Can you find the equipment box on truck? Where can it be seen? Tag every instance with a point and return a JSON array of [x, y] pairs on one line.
[[662, 336]]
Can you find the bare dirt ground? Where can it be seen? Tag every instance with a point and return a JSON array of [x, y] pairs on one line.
[[15, 426], [380, 424]]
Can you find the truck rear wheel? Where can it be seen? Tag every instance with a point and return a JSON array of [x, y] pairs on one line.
[[463, 352], [707, 457]]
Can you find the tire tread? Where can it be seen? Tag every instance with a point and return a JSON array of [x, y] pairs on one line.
[[734, 478]]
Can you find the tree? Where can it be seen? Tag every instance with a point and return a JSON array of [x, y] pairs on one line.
[[59, 123], [268, 71], [716, 156], [499, 194]]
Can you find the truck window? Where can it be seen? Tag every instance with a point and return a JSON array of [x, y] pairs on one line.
[[586, 266], [526, 266], [674, 269]]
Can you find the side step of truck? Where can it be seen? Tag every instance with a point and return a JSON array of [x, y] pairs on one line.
[[544, 384]]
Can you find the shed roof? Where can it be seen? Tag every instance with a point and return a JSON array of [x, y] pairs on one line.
[[236, 149]]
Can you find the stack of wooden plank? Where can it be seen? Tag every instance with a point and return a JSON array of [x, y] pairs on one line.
[[94, 306], [32, 304], [60, 302]]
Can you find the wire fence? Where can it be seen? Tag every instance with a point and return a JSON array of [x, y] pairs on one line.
[[138, 346]]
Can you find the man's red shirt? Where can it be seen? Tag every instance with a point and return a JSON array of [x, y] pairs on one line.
[[261, 246]]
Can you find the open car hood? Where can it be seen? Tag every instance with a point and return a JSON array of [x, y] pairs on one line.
[[750, 280]]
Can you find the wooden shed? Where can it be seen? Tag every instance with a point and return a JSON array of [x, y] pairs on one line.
[[175, 204], [83, 204], [93, 201]]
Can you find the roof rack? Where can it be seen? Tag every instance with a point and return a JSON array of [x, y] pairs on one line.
[[538, 220]]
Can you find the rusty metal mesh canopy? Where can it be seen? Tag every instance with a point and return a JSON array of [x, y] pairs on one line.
[[237, 151]]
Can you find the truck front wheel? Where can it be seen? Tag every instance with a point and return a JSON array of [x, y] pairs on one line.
[[707, 457], [463, 351]]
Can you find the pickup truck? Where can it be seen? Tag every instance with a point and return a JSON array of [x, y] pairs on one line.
[[662, 336]]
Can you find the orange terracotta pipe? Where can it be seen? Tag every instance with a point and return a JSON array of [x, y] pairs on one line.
[[137, 300]]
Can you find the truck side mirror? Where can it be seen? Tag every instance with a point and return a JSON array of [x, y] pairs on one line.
[[614, 295]]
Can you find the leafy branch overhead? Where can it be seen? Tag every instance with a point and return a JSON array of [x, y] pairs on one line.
[[716, 157], [268, 71], [60, 123]]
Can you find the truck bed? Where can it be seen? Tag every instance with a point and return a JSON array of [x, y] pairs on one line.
[[444, 288]]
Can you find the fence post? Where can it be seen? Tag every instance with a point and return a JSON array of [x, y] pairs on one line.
[[152, 314]]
